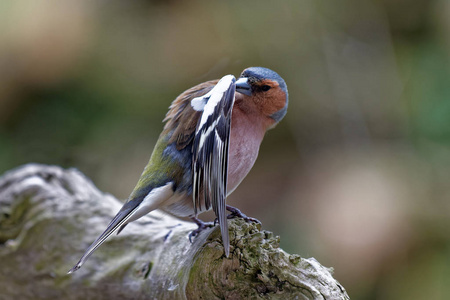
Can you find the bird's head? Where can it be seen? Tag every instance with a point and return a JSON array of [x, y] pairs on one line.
[[264, 89]]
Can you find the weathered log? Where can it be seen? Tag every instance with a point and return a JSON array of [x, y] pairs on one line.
[[48, 216]]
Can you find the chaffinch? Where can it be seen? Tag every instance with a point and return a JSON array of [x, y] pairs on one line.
[[209, 144]]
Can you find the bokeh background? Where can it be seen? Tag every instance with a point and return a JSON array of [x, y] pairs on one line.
[[358, 173]]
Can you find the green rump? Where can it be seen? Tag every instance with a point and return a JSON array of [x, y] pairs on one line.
[[160, 170]]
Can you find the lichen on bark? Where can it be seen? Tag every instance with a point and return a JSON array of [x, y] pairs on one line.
[[48, 216]]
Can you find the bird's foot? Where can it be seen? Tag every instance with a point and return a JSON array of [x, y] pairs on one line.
[[201, 226], [237, 213]]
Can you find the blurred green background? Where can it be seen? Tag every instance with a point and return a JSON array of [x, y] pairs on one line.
[[357, 174]]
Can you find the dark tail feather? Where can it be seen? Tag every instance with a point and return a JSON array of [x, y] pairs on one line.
[[119, 221], [121, 228]]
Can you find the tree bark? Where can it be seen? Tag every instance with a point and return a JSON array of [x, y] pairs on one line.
[[49, 216]]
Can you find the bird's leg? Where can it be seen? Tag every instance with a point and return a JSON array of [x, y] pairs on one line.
[[201, 226], [237, 213]]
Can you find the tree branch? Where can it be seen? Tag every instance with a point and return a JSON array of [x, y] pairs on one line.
[[48, 216]]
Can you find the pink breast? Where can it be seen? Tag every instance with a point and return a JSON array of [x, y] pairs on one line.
[[245, 138]]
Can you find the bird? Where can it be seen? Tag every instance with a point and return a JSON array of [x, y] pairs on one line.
[[209, 143]]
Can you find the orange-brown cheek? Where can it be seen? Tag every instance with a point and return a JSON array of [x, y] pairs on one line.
[[275, 102]]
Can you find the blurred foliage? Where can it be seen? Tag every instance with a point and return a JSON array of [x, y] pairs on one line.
[[357, 173]]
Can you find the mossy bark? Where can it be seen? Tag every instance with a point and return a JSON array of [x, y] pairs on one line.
[[48, 216]]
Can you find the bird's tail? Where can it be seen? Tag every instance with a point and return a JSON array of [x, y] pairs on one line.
[[132, 210], [119, 220]]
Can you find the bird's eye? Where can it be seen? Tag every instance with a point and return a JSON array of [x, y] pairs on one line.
[[265, 88]]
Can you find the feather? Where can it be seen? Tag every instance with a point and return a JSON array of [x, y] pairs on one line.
[[131, 211], [210, 152], [182, 118]]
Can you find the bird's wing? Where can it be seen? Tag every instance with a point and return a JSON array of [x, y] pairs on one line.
[[210, 151], [132, 210], [181, 119]]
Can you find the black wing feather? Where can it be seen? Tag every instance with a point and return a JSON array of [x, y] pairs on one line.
[[210, 153]]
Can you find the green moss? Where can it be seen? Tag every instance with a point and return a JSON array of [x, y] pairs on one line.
[[13, 218], [256, 266]]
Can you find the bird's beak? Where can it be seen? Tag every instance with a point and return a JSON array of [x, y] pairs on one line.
[[243, 87]]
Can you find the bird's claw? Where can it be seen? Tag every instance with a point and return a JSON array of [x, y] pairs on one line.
[[237, 213], [204, 225], [201, 226]]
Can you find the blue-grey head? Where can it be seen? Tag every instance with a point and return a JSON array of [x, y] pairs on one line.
[[267, 88]]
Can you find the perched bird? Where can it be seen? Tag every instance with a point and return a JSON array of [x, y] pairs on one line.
[[209, 144]]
